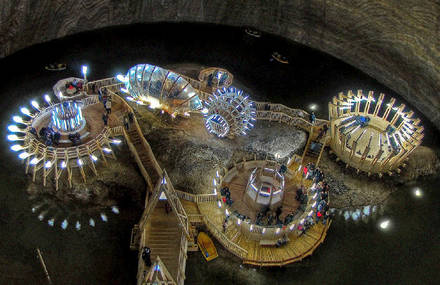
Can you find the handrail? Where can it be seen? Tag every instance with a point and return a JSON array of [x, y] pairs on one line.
[[224, 240], [296, 258]]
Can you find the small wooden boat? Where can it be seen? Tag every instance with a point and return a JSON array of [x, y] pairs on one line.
[[206, 246], [55, 66], [280, 58], [252, 33]]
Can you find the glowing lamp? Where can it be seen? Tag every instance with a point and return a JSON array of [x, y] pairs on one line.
[[16, 147], [13, 138], [25, 111], [18, 119], [24, 155], [15, 129], [84, 70], [35, 105], [385, 224], [121, 78]]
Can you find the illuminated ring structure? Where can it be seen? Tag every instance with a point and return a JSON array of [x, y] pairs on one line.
[[215, 78], [67, 117], [229, 113], [371, 134], [161, 88], [51, 159], [265, 188], [259, 232]]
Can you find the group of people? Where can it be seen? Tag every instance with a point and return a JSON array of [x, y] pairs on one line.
[[226, 196], [75, 138], [76, 86], [48, 136], [268, 217]]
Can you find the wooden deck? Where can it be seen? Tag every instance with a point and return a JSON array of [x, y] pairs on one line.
[[296, 249]]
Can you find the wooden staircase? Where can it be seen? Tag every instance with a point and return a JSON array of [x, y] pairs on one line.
[[146, 159], [163, 237]]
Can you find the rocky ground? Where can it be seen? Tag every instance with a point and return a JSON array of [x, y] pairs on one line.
[[191, 156], [352, 190]]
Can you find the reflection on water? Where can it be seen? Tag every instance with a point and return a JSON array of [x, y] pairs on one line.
[[65, 212]]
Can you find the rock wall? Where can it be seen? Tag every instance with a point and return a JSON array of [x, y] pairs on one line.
[[394, 41]]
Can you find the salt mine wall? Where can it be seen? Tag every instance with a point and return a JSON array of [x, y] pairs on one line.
[[395, 41]]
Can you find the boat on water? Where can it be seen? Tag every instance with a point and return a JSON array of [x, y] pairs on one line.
[[206, 246], [55, 66]]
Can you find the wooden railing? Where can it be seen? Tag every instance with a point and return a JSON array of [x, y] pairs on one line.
[[197, 198], [182, 260], [224, 240]]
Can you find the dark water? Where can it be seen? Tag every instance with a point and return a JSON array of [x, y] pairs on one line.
[[353, 253]]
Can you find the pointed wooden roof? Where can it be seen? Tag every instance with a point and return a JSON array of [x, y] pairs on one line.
[[158, 274]]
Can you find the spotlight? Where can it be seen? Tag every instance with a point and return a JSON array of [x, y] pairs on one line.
[[18, 119], [47, 98], [384, 224], [418, 192], [24, 155], [35, 105], [313, 107], [16, 147], [14, 138], [25, 111], [15, 129], [121, 78]]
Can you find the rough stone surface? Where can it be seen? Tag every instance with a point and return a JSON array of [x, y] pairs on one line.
[[422, 162], [191, 156], [394, 41], [119, 183], [351, 190]]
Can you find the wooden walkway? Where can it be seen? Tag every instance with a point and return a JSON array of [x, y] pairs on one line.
[[164, 233], [296, 249]]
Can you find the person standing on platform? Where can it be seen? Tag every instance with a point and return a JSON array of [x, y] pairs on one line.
[[312, 118], [146, 251], [108, 106], [126, 123], [105, 119]]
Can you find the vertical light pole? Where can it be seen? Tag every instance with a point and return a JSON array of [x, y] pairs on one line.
[[84, 71]]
